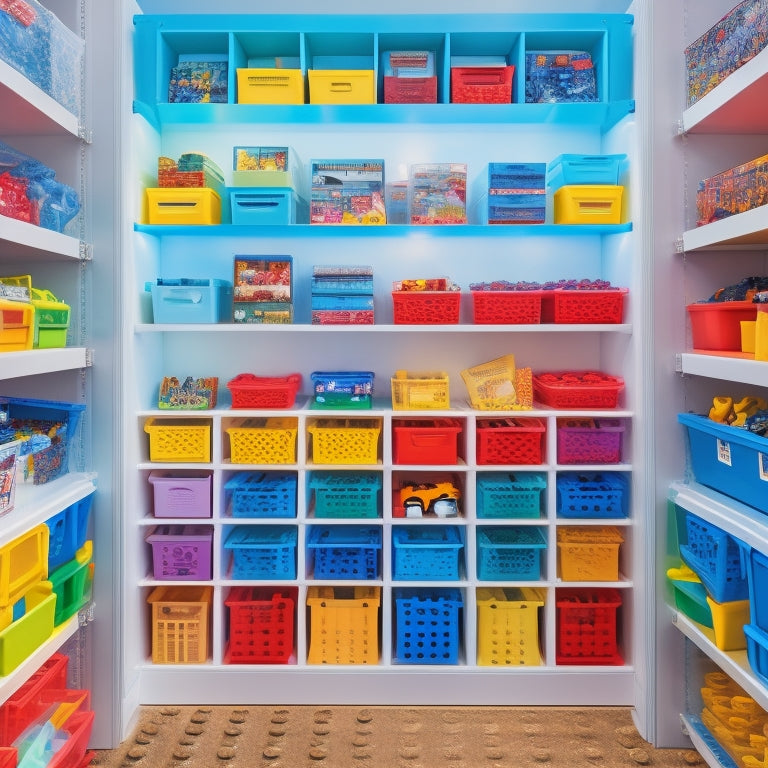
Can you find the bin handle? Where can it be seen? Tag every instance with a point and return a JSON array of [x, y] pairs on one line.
[[183, 296], [341, 87]]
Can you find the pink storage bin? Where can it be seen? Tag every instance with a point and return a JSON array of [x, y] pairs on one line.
[[177, 495], [589, 441], [181, 552]]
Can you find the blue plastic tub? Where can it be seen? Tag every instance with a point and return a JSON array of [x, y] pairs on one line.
[[510, 553], [68, 530], [262, 551], [427, 626], [430, 553], [262, 494], [345, 551], [592, 495]]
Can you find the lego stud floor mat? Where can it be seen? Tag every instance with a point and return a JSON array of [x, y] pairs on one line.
[[388, 737]]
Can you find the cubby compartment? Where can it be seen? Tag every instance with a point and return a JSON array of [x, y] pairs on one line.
[[411, 67], [269, 67], [483, 67], [340, 67]]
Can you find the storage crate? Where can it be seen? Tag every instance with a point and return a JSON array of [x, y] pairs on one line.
[[592, 494], [506, 307], [23, 563], [57, 420], [179, 440], [344, 441], [410, 90], [51, 316], [261, 625], [8, 457], [598, 306], [266, 206], [180, 624], [72, 584], [589, 441], [262, 494], [346, 494], [344, 552], [510, 441], [511, 553], [588, 626], [344, 625], [266, 166], [183, 205], [510, 495], [690, 595], [757, 580], [757, 651], [432, 553], [262, 551], [728, 620], [589, 553], [716, 325], [263, 441], [341, 86], [508, 626], [8, 757], [250, 391], [22, 637], [567, 170], [428, 625], [342, 389], [342, 317], [426, 307], [716, 557], [67, 531], [426, 441], [73, 751], [588, 204], [17, 326], [190, 300], [261, 85], [420, 391], [176, 495], [577, 389], [729, 459], [181, 552], [481, 85]]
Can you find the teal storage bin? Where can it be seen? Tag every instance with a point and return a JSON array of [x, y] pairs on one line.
[[265, 206], [585, 169], [189, 300]]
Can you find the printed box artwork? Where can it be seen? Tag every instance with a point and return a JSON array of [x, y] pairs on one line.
[[516, 193], [347, 192], [553, 77], [196, 82], [438, 193], [263, 289], [260, 158], [733, 191], [738, 37]]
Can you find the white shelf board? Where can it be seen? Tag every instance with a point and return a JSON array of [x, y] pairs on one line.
[[40, 361], [28, 110], [21, 241], [739, 369], [736, 105], [748, 230]]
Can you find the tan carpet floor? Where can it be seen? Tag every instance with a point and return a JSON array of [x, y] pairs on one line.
[[388, 737]]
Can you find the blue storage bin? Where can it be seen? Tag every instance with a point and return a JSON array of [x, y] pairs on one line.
[[342, 301], [757, 578], [262, 551], [264, 205], [592, 495], [729, 459], [510, 553], [427, 625], [716, 558], [432, 553], [508, 495], [262, 494], [68, 530], [189, 300], [585, 169], [757, 651], [345, 551], [346, 494]]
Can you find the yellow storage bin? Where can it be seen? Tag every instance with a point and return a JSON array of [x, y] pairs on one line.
[[24, 636], [23, 563], [420, 391], [508, 626], [17, 325], [183, 205], [270, 86], [748, 335], [728, 620], [589, 553], [179, 440], [588, 204], [345, 441], [180, 624], [344, 625], [341, 86], [51, 315], [263, 441]]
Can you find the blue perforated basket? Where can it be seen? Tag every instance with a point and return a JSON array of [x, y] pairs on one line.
[[262, 494], [262, 551], [432, 553], [345, 551], [427, 626], [510, 554], [510, 494]]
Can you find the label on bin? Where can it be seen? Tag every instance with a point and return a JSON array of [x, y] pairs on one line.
[[724, 452]]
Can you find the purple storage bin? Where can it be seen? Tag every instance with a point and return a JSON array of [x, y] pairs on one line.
[[179, 495], [181, 552]]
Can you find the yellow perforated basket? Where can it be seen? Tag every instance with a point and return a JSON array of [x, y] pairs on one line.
[[182, 440], [263, 441], [508, 626], [180, 624], [345, 441], [589, 553]]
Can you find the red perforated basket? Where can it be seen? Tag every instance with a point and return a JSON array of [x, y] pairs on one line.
[[510, 441], [506, 307], [249, 391], [577, 389], [587, 626], [426, 307], [583, 306], [410, 90], [481, 85]]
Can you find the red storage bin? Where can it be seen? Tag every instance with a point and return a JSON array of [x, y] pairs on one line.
[[506, 307], [78, 727], [510, 441], [426, 307], [410, 90], [481, 85], [717, 325], [426, 441], [587, 626], [249, 391], [583, 306], [577, 389]]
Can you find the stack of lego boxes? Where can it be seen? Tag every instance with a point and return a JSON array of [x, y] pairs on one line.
[[516, 193], [263, 290], [342, 295]]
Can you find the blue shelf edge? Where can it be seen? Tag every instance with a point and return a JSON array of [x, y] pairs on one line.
[[387, 230], [714, 746]]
